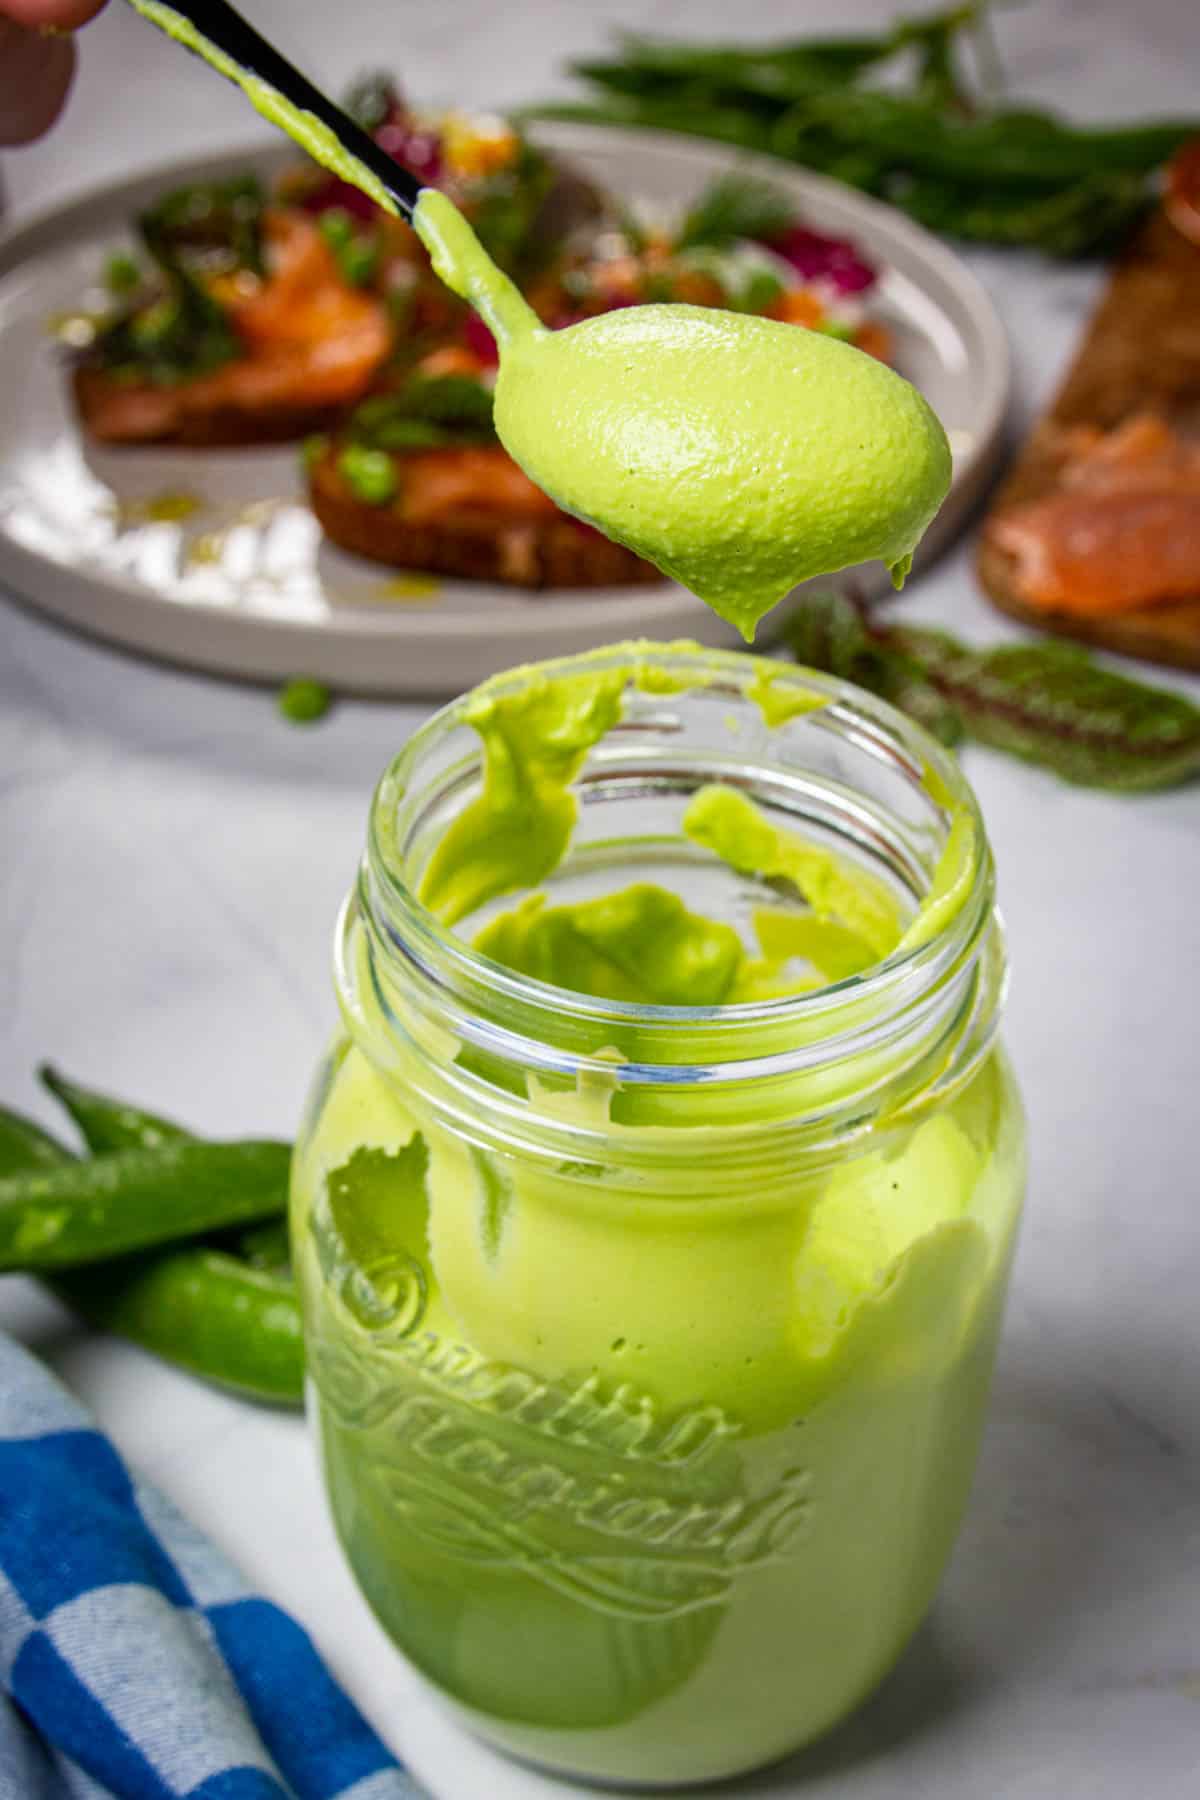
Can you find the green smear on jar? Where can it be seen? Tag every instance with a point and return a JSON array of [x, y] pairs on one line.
[[643, 945]]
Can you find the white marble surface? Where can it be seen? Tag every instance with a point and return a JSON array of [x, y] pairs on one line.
[[172, 857]]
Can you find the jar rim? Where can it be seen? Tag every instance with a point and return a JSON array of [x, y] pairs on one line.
[[904, 1032], [846, 704]]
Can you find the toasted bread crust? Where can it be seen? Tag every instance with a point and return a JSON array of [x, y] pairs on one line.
[[122, 412], [546, 552], [1168, 633]]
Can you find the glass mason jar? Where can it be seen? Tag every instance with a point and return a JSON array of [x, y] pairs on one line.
[[650, 1343]]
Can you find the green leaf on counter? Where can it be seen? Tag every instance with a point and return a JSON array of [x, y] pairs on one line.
[[1048, 702], [1052, 703]]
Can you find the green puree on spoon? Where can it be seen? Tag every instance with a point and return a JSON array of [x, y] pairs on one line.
[[738, 454]]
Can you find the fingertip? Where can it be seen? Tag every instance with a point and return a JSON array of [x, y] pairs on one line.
[[52, 15], [35, 78]]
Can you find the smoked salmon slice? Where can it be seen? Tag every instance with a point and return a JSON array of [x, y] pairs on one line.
[[437, 483], [1121, 530], [312, 344]]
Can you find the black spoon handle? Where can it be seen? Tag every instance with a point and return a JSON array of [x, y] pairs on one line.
[[226, 28]]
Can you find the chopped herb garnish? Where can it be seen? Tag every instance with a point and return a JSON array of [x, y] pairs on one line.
[[452, 399], [760, 290], [209, 226], [192, 234], [504, 208], [356, 253], [336, 227], [734, 208], [372, 99], [312, 450], [359, 260], [121, 274], [426, 411]]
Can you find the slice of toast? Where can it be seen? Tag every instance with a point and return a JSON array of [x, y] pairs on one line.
[[1141, 354], [116, 411], [309, 345], [532, 547]]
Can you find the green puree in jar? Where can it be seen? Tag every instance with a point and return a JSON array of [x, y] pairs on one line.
[[628, 1453]]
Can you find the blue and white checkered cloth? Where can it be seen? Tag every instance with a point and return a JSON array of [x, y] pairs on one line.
[[134, 1661]]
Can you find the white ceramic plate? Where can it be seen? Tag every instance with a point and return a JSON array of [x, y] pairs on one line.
[[245, 586]]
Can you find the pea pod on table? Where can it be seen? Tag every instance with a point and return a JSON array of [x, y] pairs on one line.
[[204, 1310], [265, 1246], [84, 1211], [25, 1146], [229, 1315], [107, 1123]]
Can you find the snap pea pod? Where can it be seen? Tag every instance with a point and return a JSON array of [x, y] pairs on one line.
[[106, 1123], [265, 1246], [110, 1124], [25, 1146], [232, 1318], [202, 1309], [83, 1212]]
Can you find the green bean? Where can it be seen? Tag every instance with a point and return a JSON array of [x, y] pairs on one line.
[[828, 60], [203, 1310], [1068, 221], [746, 82], [928, 140], [108, 1124], [83, 1212], [729, 125], [1002, 150]]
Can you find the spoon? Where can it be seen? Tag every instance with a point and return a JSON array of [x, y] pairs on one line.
[[739, 454], [215, 31]]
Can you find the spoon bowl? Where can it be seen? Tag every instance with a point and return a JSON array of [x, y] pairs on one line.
[[738, 454]]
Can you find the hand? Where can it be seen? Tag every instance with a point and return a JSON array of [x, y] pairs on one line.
[[37, 61]]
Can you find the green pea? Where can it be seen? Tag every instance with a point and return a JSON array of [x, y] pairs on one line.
[[303, 701], [369, 474]]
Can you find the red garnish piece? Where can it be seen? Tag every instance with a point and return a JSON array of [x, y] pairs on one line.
[[817, 257], [480, 341]]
